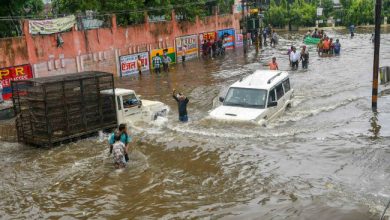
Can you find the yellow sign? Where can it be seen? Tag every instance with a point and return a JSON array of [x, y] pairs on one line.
[[254, 10], [170, 53]]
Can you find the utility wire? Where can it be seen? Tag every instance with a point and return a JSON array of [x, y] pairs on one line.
[[105, 13]]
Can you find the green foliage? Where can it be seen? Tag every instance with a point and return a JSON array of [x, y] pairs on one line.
[[132, 11], [298, 13], [15, 10], [360, 12], [187, 11], [327, 5], [276, 15], [303, 12]]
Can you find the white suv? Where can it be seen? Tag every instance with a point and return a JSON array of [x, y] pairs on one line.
[[259, 97]]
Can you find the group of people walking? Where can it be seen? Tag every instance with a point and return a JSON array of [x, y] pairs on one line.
[[271, 34], [294, 58], [298, 56], [327, 46], [213, 48]]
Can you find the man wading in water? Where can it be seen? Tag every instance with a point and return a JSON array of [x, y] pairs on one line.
[[182, 102], [124, 138]]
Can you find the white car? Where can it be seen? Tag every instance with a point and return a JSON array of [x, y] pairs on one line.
[[259, 97], [130, 108]]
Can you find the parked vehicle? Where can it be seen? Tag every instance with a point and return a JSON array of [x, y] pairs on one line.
[[258, 98]]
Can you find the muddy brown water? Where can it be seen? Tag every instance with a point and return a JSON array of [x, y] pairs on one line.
[[327, 157]]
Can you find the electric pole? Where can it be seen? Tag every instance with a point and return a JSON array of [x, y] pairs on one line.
[[244, 24], [377, 39]]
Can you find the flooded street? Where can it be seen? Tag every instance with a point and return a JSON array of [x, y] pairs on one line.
[[327, 157]]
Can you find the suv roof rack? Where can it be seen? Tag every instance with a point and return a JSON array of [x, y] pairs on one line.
[[272, 78]]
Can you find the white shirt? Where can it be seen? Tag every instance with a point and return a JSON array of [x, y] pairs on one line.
[[294, 57]]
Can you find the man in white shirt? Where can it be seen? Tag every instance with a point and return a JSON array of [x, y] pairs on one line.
[[294, 58]]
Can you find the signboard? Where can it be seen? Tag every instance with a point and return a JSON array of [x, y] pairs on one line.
[[228, 38], [170, 52], [91, 24], [319, 11], [212, 36], [15, 73], [191, 42], [237, 8], [239, 40], [128, 63], [254, 10], [51, 26]]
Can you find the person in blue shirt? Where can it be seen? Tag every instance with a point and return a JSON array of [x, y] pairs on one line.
[[352, 30], [125, 138], [337, 47], [182, 102]]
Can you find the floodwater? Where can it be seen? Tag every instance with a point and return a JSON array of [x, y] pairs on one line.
[[327, 157]]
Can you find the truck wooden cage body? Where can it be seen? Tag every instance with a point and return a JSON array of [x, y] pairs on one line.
[[57, 109]]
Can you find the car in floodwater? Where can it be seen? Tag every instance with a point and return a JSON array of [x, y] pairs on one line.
[[131, 109], [258, 98]]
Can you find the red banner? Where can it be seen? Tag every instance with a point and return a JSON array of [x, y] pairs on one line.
[[15, 73]]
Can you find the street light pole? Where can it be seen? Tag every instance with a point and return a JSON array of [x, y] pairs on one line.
[[377, 38], [244, 25]]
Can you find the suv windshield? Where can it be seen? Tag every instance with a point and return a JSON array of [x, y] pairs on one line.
[[249, 98], [130, 101]]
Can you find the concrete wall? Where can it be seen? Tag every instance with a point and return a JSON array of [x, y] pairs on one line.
[[13, 52], [99, 49]]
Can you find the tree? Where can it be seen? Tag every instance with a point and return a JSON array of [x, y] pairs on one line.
[[360, 12], [308, 12], [14, 11], [327, 5], [132, 11], [276, 15], [187, 10]]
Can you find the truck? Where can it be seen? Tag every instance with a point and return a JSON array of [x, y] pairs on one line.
[[130, 108], [59, 109]]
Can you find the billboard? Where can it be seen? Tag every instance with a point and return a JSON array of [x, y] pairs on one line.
[[228, 37], [14, 73], [239, 40], [128, 63], [191, 42], [170, 52], [212, 36]]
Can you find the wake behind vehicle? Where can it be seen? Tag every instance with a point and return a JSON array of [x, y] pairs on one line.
[[258, 98]]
